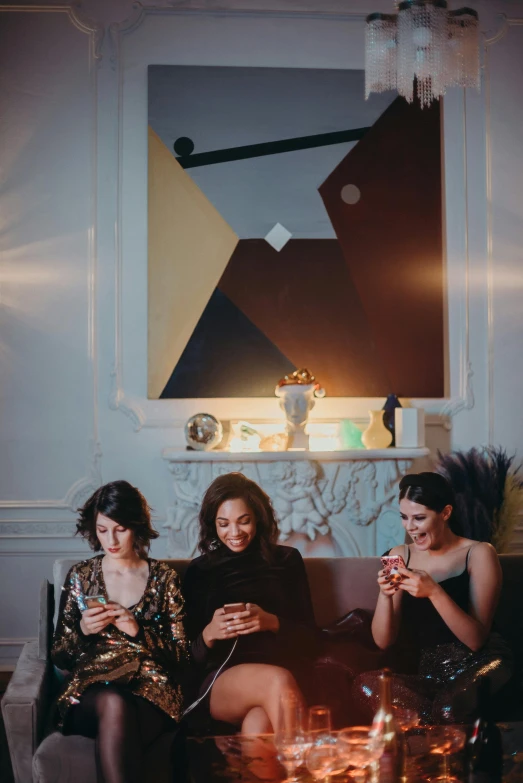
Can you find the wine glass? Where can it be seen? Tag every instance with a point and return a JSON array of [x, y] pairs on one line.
[[326, 757], [290, 737], [443, 741], [406, 719], [362, 747], [319, 722]]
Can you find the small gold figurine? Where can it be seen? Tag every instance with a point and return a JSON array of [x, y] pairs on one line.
[[304, 378]]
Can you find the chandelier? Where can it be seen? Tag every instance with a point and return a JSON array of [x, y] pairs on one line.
[[424, 44]]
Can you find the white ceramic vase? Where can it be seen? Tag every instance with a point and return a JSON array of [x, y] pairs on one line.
[[376, 436]]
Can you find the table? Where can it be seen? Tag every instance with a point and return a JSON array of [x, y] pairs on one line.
[[237, 759]]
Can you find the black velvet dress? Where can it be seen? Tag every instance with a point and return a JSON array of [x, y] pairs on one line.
[[436, 674], [279, 587]]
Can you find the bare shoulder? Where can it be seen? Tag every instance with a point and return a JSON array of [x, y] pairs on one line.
[[482, 554], [481, 549]]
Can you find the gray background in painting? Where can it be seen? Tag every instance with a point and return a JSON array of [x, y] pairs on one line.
[[220, 108]]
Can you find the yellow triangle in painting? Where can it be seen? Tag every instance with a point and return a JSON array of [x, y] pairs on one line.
[[189, 246]]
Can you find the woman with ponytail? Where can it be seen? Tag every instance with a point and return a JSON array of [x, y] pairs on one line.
[[439, 608]]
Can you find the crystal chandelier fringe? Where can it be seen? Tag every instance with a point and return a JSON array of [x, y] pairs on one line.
[[422, 39], [463, 47], [424, 44], [380, 53]]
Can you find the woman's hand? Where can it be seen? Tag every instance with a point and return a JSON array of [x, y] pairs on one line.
[[387, 585], [123, 618], [253, 620], [95, 620], [418, 583], [219, 627]]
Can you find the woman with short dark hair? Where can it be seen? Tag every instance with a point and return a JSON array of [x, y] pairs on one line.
[[251, 654], [440, 607], [120, 636]]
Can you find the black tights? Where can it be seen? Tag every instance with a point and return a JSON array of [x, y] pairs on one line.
[[123, 725]]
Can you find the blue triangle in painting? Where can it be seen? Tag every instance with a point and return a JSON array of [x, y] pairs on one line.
[[227, 356]]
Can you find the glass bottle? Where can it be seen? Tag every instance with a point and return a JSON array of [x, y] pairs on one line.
[[485, 747], [384, 725]]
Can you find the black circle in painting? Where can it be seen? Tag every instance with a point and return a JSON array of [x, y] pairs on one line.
[[183, 146]]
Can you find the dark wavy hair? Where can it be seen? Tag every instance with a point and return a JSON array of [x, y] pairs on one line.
[[433, 491], [233, 486], [124, 504]]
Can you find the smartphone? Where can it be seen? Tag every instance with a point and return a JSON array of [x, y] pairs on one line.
[[94, 601], [231, 608], [390, 564]]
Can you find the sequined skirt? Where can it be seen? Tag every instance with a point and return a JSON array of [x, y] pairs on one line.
[[444, 688]]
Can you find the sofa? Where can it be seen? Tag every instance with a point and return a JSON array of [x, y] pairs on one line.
[[338, 585]]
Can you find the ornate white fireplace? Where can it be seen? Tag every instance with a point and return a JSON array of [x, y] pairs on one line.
[[328, 503]]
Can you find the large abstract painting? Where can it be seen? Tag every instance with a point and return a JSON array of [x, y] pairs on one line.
[[292, 224]]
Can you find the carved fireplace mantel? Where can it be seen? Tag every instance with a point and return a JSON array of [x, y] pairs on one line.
[[328, 503]]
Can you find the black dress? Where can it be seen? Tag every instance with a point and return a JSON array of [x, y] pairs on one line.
[[436, 674], [279, 587]]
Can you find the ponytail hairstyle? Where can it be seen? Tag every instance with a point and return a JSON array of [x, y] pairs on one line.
[[433, 491]]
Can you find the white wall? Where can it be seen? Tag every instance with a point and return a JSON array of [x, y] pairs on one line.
[[73, 241]]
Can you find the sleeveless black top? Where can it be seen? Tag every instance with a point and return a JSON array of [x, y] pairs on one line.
[[426, 627]]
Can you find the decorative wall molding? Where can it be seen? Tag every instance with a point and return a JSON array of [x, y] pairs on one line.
[[10, 649], [7, 642], [75, 495], [34, 529], [494, 36], [95, 30], [465, 399], [491, 39]]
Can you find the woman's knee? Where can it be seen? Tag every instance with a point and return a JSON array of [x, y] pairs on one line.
[[281, 680], [112, 701]]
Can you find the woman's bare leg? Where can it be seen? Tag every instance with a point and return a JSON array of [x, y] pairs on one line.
[[243, 692], [256, 722]]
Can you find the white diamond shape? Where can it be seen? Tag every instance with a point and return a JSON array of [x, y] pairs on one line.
[[278, 237]]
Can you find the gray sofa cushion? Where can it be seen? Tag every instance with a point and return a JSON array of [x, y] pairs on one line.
[[71, 759], [62, 759], [24, 708]]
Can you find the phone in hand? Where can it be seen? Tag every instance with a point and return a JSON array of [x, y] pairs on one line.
[[94, 601], [390, 564], [232, 608]]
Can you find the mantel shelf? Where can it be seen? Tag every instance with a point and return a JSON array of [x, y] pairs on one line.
[[350, 455]]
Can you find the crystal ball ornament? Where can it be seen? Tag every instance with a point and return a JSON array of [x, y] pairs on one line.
[[203, 432]]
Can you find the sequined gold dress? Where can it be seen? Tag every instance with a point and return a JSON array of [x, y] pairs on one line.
[[150, 664]]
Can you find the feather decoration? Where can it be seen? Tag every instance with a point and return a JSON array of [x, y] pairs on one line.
[[489, 494], [510, 514]]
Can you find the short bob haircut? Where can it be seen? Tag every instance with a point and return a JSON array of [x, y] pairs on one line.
[[124, 504], [433, 491], [233, 486]]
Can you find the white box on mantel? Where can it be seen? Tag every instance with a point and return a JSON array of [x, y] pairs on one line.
[[410, 427]]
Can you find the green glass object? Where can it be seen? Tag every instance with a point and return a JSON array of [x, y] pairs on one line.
[[350, 435]]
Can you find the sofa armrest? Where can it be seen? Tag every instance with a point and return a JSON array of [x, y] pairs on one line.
[[24, 708]]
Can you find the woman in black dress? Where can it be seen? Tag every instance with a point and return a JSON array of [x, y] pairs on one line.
[[274, 637], [441, 612]]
